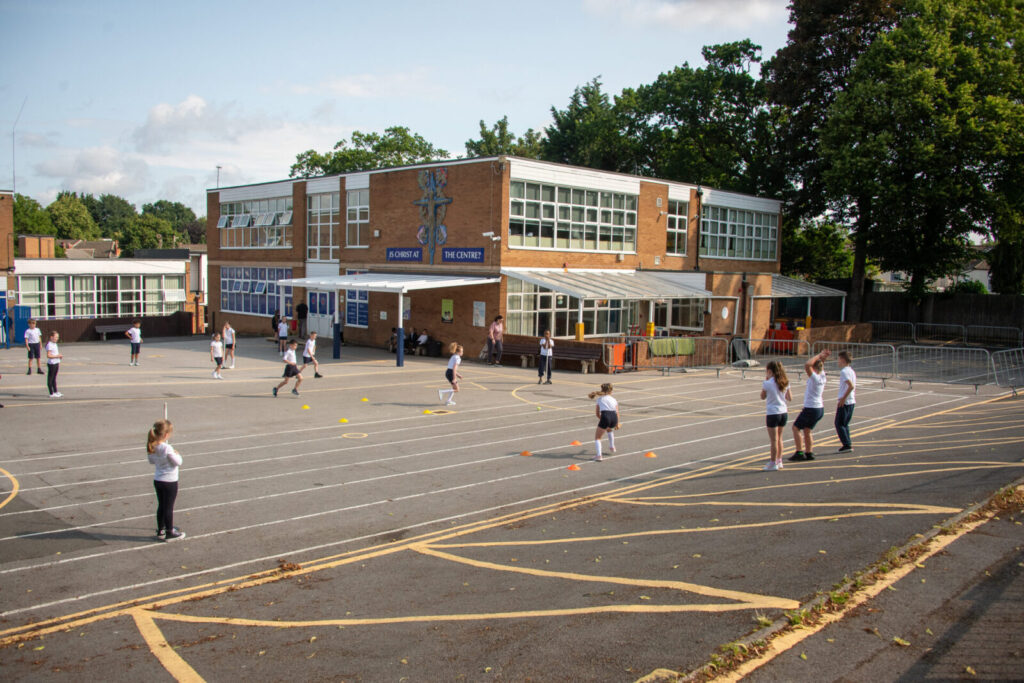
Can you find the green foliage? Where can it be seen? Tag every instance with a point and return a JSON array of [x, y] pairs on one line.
[[110, 212], [195, 231], [368, 151], [498, 140], [816, 251], [968, 287], [175, 213], [147, 232], [71, 219], [1006, 266], [30, 218], [588, 133]]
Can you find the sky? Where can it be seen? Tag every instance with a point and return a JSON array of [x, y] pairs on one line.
[[145, 100]]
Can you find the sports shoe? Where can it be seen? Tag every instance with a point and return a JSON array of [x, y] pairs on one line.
[[56, 395], [548, 382], [450, 403], [220, 376], [317, 375], [597, 458], [780, 465], [214, 374], [809, 455], [295, 391], [845, 449], [275, 392], [174, 534], [29, 371], [799, 456], [231, 367], [770, 466], [38, 372], [160, 533], [539, 380], [131, 362]]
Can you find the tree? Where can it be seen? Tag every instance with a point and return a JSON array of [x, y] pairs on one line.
[[588, 133], [1006, 265], [30, 218], [804, 78], [110, 212], [968, 287], [933, 109], [71, 219], [498, 140], [816, 250], [147, 232], [175, 213], [368, 151], [195, 231]]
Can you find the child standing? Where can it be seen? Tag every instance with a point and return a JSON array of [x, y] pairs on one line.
[[452, 374], [33, 343], [547, 348], [309, 355], [228, 336], [282, 335], [847, 399], [291, 369], [53, 357], [165, 478], [217, 355], [813, 410], [134, 333], [775, 390], [607, 410]]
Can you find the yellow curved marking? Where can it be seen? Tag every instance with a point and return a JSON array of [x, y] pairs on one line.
[[15, 487], [162, 650], [752, 599], [355, 435]]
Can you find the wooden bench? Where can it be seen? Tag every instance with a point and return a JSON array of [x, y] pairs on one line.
[[586, 355], [104, 330]]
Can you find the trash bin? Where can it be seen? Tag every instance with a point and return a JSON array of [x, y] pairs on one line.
[[433, 348]]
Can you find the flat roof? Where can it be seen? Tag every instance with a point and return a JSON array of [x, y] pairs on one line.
[[786, 287], [397, 283], [585, 283]]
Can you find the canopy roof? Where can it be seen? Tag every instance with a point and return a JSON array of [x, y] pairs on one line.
[[786, 287], [397, 283], [615, 284]]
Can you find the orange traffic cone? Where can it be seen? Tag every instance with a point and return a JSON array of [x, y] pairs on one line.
[[573, 467], [650, 454], [526, 454], [576, 443]]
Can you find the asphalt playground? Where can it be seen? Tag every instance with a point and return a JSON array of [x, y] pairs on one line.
[[362, 531]]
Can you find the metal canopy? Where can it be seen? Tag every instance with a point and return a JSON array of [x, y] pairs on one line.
[[786, 287], [396, 283], [616, 284]]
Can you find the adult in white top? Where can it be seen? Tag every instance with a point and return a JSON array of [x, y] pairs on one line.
[[547, 350], [814, 407], [34, 346], [227, 335], [846, 401], [53, 356]]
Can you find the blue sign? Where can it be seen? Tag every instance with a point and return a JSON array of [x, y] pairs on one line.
[[405, 254], [462, 255]]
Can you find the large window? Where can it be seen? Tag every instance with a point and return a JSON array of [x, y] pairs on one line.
[[357, 305], [738, 234], [680, 314], [101, 296], [569, 218], [675, 225], [322, 226], [357, 227], [531, 309], [256, 224], [254, 291]]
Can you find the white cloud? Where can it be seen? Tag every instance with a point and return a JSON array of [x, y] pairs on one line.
[[691, 13], [170, 125], [96, 170]]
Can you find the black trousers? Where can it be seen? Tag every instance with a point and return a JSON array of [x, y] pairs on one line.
[[544, 363], [51, 377], [166, 492]]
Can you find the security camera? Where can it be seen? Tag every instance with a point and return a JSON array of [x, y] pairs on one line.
[[487, 234]]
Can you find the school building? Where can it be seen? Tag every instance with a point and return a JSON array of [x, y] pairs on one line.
[[447, 246]]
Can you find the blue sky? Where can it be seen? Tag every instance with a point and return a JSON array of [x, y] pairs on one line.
[[144, 100]]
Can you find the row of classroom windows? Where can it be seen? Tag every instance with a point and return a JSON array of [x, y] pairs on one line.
[[100, 296]]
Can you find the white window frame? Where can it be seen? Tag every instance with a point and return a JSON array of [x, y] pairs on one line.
[[738, 234], [361, 297], [357, 218], [676, 223]]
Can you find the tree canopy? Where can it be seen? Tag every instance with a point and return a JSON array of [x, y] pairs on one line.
[[71, 219], [30, 218], [498, 140], [368, 151]]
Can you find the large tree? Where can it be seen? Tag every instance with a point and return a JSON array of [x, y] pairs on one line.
[[110, 212], [588, 132], [498, 140], [147, 232], [816, 250], [71, 219], [175, 213], [933, 108], [30, 218], [368, 151]]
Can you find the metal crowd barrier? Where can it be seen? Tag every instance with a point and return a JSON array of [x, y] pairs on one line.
[[791, 353], [874, 361], [666, 354], [991, 335], [1008, 368], [944, 365], [939, 333], [892, 331]]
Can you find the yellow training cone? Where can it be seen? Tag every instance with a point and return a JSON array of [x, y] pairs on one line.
[[427, 412], [305, 407], [573, 467], [650, 454], [576, 443], [342, 420], [526, 454], [365, 400]]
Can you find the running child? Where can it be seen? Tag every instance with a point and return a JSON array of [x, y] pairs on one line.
[[547, 349], [165, 478], [775, 390], [282, 335], [847, 399], [227, 334], [813, 410], [607, 411], [33, 343], [134, 333], [217, 355], [291, 369], [452, 374], [53, 357], [309, 355]]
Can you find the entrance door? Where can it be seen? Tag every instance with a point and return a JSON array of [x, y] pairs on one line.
[[321, 313]]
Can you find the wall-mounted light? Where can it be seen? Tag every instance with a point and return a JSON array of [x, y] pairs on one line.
[[496, 239], [489, 233]]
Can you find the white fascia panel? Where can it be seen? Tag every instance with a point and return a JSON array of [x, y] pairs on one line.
[[555, 174], [357, 181], [98, 267], [320, 185], [315, 269], [680, 193], [264, 191], [734, 200]]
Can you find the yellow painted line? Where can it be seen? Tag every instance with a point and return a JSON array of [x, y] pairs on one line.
[[15, 487], [162, 650], [787, 641]]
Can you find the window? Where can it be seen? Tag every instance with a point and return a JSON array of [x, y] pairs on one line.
[[738, 234], [100, 296], [357, 225], [531, 309], [565, 218], [357, 305], [256, 224], [254, 290], [680, 314], [322, 224], [675, 225], [152, 294]]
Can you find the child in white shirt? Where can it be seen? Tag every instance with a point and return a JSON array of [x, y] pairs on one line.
[[607, 410], [291, 369]]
